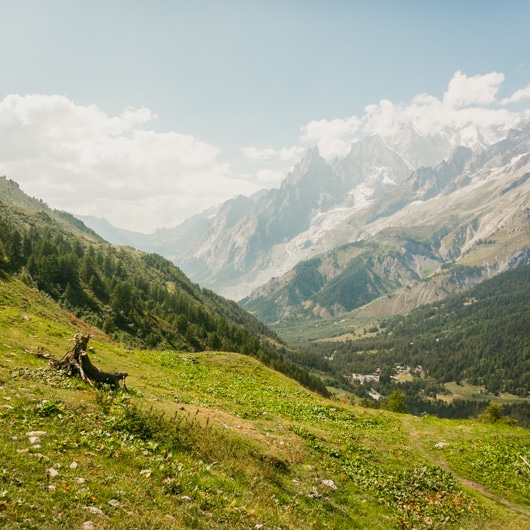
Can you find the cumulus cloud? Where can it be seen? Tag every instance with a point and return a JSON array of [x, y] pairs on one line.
[[333, 138], [475, 90], [267, 167], [82, 160], [268, 178], [469, 105], [286, 154]]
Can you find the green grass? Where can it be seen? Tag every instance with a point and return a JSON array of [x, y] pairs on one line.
[[477, 393], [295, 331], [216, 440]]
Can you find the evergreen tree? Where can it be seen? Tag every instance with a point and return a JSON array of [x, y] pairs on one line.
[[396, 402]]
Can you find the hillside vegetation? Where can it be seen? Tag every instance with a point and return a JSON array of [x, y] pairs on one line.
[[480, 337], [216, 430], [138, 298], [218, 440]]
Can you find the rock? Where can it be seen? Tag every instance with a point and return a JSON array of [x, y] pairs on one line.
[[314, 493], [52, 472]]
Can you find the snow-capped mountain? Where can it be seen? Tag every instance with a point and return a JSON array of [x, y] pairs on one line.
[[382, 182], [441, 230], [245, 246]]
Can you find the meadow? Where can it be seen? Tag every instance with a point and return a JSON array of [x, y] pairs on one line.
[[217, 440]]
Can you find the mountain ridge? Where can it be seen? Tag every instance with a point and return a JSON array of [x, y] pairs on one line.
[[234, 258], [477, 215], [381, 183]]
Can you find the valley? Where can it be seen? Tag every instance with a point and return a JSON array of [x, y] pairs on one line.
[[218, 440], [249, 415]]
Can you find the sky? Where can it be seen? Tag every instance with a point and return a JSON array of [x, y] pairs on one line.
[[146, 112]]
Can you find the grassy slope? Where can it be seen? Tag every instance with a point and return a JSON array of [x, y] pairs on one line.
[[217, 440]]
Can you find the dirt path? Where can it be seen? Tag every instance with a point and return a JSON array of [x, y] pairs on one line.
[[437, 460]]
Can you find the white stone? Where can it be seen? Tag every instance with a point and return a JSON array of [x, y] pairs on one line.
[[330, 484]]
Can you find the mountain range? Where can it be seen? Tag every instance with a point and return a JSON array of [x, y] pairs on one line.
[[208, 435], [432, 214]]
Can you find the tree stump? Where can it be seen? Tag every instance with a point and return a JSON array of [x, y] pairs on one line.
[[76, 361]]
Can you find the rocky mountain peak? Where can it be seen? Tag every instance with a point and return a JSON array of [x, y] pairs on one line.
[[311, 164]]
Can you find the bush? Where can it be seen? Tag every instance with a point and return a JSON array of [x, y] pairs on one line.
[[494, 413]]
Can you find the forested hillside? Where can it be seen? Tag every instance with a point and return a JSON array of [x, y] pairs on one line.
[[138, 298], [344, 279], [481, 337], [208, 439]]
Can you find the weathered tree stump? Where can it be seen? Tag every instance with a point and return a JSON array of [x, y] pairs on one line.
[[76, 361]]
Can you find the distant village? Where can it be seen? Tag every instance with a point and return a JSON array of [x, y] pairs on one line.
[[376, 375]]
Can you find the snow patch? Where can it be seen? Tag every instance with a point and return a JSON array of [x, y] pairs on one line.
[[361, 195]]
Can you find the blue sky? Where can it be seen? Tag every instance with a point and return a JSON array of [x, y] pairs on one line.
[[163, 108]]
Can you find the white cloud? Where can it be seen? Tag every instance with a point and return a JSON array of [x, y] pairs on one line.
[[469, 103], [82, 160], [476, 90], [517, 96], [268, 178], [267, 167], [334, 137], [255, 153], [286, 154]]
